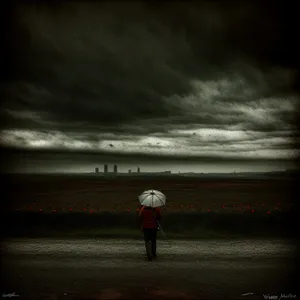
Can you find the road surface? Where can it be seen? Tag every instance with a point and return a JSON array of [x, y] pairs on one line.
[[117, 269]]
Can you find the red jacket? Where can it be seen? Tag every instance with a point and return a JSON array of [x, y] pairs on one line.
[[148, 215]]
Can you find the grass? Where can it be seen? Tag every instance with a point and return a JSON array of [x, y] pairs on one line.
[[124, 225], [120, 233]]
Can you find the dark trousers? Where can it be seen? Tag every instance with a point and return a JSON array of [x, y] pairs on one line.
[[150, 240]]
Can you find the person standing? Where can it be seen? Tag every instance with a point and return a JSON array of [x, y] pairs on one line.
[[148, 218]]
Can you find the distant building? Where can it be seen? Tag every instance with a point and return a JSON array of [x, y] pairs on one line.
[[129, 171], [138, 170], [96, 170], [105, 169], [115, 169]]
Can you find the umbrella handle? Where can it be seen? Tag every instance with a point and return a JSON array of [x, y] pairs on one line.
[[163, 233]]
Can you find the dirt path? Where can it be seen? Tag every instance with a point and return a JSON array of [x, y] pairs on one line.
[[117, 269]]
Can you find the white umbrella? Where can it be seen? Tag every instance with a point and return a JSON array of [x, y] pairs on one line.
[[152, 198]]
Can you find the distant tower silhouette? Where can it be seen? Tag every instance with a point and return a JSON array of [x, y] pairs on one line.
[[96, 170], [129, 171], [138, 169], [115, 169], [105, 169]]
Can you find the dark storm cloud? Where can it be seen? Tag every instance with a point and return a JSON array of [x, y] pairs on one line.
[[84, 65], [87, 75]]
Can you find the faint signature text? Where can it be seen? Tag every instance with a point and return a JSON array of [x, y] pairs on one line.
[[277, 297], [10, 295]]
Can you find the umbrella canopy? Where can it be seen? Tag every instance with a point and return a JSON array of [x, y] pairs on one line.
[[152, 198]]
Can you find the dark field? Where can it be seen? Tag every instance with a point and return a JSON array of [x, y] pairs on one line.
[[90, 206], [91, 193]]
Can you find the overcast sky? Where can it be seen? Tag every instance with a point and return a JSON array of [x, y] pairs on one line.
[[177, 86]]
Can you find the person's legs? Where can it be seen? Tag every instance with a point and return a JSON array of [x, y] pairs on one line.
[[147, 238], [153, 242]]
